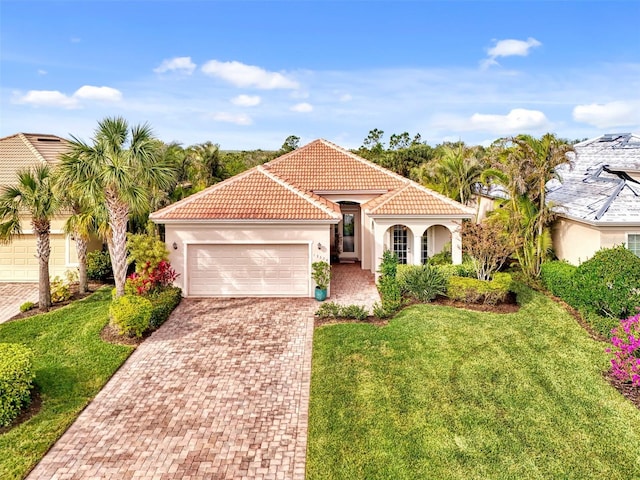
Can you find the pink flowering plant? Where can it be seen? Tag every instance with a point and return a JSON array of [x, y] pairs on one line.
[[625, 364], [151, 278]]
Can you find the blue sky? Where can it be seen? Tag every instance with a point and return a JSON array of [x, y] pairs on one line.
[[246, 75]]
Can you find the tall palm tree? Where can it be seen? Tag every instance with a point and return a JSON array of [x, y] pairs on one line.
[[455, 173], [205, 158], [33, 195], [119, 169]]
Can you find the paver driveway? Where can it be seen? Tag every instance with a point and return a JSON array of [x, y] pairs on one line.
[[220, 391], [12, 295]]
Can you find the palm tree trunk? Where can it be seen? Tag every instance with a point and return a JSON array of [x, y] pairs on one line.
[[81, 249], [118, 217], [43, 251]]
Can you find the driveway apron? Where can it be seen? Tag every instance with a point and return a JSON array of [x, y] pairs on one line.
[[220, 391]]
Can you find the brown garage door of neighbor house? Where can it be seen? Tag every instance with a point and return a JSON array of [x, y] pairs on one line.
[[241, 270]]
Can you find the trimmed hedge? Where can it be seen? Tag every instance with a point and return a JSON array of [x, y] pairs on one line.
[[98, 265], [163, 303], [557, 277], [472, 290], [465, 269], [130, 314], [16, 380], [334, 310]]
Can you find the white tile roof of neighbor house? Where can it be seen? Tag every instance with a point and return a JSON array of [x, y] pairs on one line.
[[603, 184]]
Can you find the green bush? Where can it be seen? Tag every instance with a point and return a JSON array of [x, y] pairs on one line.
[[16, 380], [61, 287], [130, 314], [422, 282], [146, 251], [466, 269], [389, 264], [163, 303], [98, 265], [472, 290], [390, 294], [334, 310], [557, 277], [608, 283], [26, 306]]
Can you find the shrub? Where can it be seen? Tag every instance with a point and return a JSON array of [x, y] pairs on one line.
[[466, 269], [98, 265], [26, 306], [389, 264], [16, 380], [608, 283], [163, 303], [488, 245], [422, 282], [557, 277], [443, 257], [333, 310], [150, 279], [390, 294], [625, 340], [130, 314], [472, 290], [146, 251], [380, 312]]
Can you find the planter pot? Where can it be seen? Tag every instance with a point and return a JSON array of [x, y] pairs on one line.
[[321, 294]]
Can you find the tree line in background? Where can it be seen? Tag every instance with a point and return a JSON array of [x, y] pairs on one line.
[[110, 185]]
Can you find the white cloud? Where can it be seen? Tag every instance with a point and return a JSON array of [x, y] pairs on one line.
[[55, 98], [102, 94], [516, 121], [246, 100], [242, 75], [607, 115], [346, 98], [237, 118], [42, 72], [509, 48], [179, 64], [47, 98], [303, 107]]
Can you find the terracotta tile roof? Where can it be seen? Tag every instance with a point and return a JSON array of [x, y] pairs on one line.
[[252, 195], [23, 150], [414, 199], [323, 166]]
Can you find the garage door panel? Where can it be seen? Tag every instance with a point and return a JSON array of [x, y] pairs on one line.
[[248, 270]]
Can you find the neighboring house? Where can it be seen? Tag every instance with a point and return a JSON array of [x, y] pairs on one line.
[[598, 199], [18, 261], [257, 234]]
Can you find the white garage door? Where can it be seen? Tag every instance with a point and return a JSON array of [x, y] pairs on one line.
[[248, 270], [18, 261]]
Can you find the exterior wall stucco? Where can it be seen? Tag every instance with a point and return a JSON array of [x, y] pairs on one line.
[[193, 233]]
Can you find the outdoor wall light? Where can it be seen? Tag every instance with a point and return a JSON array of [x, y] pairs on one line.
[[175, 246], [319, 246]]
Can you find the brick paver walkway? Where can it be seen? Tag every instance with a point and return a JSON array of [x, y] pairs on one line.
[[352, 285], [12, 295], [220, 391]]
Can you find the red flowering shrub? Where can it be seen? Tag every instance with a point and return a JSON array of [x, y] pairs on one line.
[[625, 365], [151, 279]]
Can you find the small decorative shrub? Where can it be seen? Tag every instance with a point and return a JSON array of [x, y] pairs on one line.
[[625, 340], [472, 290], [16, 380], [333, 310], [443, 257], [390, 294], [389, 264], [380, 312], [557, 277], [608, 283], [321, 274], [130, 314], [466, 269], [422, 282], [163, 303], [26, 306], [150, 279], [98, 265], [146, 251]]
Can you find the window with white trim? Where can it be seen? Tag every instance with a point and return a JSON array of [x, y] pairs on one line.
[[424, 253]]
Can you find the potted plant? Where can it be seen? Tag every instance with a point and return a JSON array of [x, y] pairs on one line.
[[322, 276]]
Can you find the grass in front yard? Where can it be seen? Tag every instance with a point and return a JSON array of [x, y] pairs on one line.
[[71, 364], [442, 393]]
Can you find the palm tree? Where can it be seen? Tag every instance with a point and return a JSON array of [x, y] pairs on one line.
[[455, 173], [523, 166], [119, 170], [205, 158], [34, 195]]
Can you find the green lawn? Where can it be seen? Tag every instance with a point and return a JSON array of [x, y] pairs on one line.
[[442, 393], [71, 364]]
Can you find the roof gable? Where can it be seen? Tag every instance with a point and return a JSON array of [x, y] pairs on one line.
[[322, 166], [24, 150], [252, 195], [414, 199]]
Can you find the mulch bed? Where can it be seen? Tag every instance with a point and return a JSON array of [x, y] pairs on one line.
[[625, 388]]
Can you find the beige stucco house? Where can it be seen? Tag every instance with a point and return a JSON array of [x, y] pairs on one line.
[[18, 261], [598, 198], [258, 233]]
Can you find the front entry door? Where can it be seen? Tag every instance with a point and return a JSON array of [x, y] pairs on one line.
[[349, 232]]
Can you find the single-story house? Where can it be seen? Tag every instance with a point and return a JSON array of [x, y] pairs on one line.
[[598, 198], [18, 260], [257, 234]]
